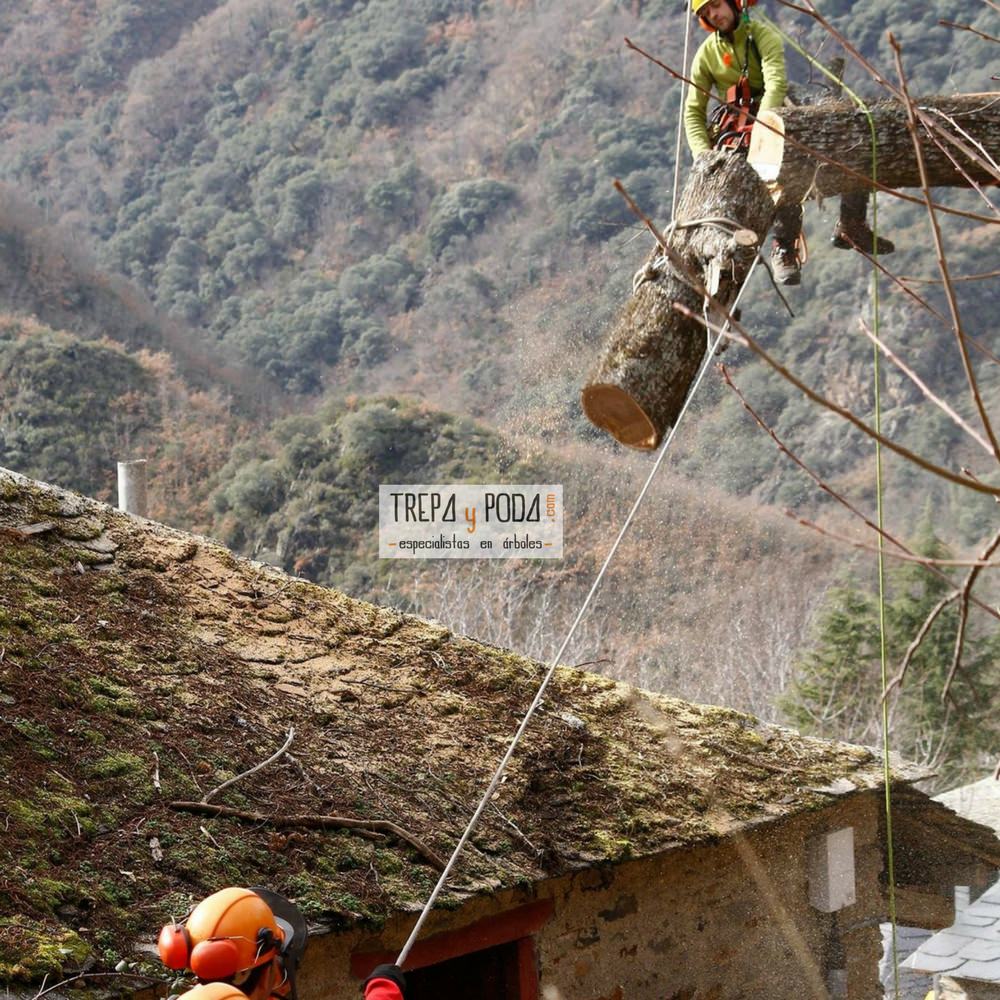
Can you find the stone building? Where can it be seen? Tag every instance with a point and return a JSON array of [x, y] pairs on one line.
[[640, 847]]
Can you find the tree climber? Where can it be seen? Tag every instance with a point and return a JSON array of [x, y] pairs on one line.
[[745, 66], [250, 941]]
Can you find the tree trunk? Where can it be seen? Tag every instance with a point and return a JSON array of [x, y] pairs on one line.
[[841, 132], [638, 386]]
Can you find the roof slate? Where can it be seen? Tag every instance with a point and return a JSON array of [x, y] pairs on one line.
[[970, 948], [978, 801]]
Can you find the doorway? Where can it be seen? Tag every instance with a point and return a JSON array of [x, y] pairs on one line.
[[490, 974]]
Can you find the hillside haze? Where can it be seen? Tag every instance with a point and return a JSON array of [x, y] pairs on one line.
[[304, 247]]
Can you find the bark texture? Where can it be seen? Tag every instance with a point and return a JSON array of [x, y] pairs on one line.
[[840, 131], [639, 384]]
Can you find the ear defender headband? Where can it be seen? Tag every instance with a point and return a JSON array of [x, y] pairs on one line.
[[215, 959]]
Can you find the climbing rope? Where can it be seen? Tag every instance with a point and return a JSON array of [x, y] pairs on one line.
[[879, 501], [680, 119]]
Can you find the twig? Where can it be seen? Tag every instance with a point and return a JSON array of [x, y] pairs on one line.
[[639, 214], [380, 687], [254, 769], [904, 556], [942, 404], [521, 835], [939, 247], [741, 336], [968, 27], [963, 615], [315, 822], [156, 772], [976, 151], [900, 282], [94, 975], [954, 278], [916, 643]]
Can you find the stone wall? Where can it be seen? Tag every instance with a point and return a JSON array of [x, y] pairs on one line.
[[730, 920]]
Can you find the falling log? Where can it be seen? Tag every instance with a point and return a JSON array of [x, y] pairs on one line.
[[649, 362], [653, 354]]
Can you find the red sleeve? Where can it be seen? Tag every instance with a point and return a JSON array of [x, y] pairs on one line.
[[382, 989]]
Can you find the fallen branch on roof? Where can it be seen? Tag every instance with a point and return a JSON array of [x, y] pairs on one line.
[[316, 822]]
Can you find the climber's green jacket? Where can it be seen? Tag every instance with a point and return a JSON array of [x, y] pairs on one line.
[[717, 66]]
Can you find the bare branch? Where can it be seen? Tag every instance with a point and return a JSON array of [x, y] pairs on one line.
[[955, 278], [968, 27], [917, 641], [254, 769], [741, 336], [963, 616], [939, 247], [972, 148], [638, 213], [940, 403], [903, 556], [842, 500], [315, 822]]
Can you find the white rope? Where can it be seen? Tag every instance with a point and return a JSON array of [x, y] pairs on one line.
[[488, 794], [680, 119]]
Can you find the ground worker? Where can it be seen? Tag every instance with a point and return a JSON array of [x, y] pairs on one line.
[[251, 941], [744, 63]]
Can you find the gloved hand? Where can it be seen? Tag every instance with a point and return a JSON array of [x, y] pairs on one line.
[[391, 972]]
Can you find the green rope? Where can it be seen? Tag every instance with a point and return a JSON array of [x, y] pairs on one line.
[[883, 646]]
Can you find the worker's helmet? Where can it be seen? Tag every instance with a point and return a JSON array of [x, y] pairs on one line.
[[740, 5], [229, 932], [213, 991]]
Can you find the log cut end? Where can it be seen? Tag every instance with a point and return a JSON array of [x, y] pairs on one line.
[[615, 411]]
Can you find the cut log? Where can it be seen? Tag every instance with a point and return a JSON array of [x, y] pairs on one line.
[[642, 378], [840, 132], [638, 387]]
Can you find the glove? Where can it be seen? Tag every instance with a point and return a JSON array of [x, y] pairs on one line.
[[391, 972]]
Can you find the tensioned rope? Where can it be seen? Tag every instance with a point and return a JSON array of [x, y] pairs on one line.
[[550, 672], [501, 768], [879, 501]]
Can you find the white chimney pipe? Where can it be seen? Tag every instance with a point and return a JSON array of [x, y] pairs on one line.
[[132, 487]]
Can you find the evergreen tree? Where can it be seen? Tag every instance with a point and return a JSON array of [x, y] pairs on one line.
[[836, 691]]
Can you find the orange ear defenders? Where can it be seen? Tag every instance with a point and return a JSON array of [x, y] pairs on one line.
[[230, 932]]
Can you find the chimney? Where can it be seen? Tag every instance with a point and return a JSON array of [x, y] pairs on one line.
[[132, 487]]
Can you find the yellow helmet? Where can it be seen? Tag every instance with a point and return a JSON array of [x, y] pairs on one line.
[[739, 5]]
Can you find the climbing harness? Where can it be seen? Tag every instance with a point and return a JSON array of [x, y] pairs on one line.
[[732, 122]]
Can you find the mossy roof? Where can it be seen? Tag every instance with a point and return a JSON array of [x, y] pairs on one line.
[[140, 665]]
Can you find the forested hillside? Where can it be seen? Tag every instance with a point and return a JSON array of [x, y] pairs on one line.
[[286, 248]]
